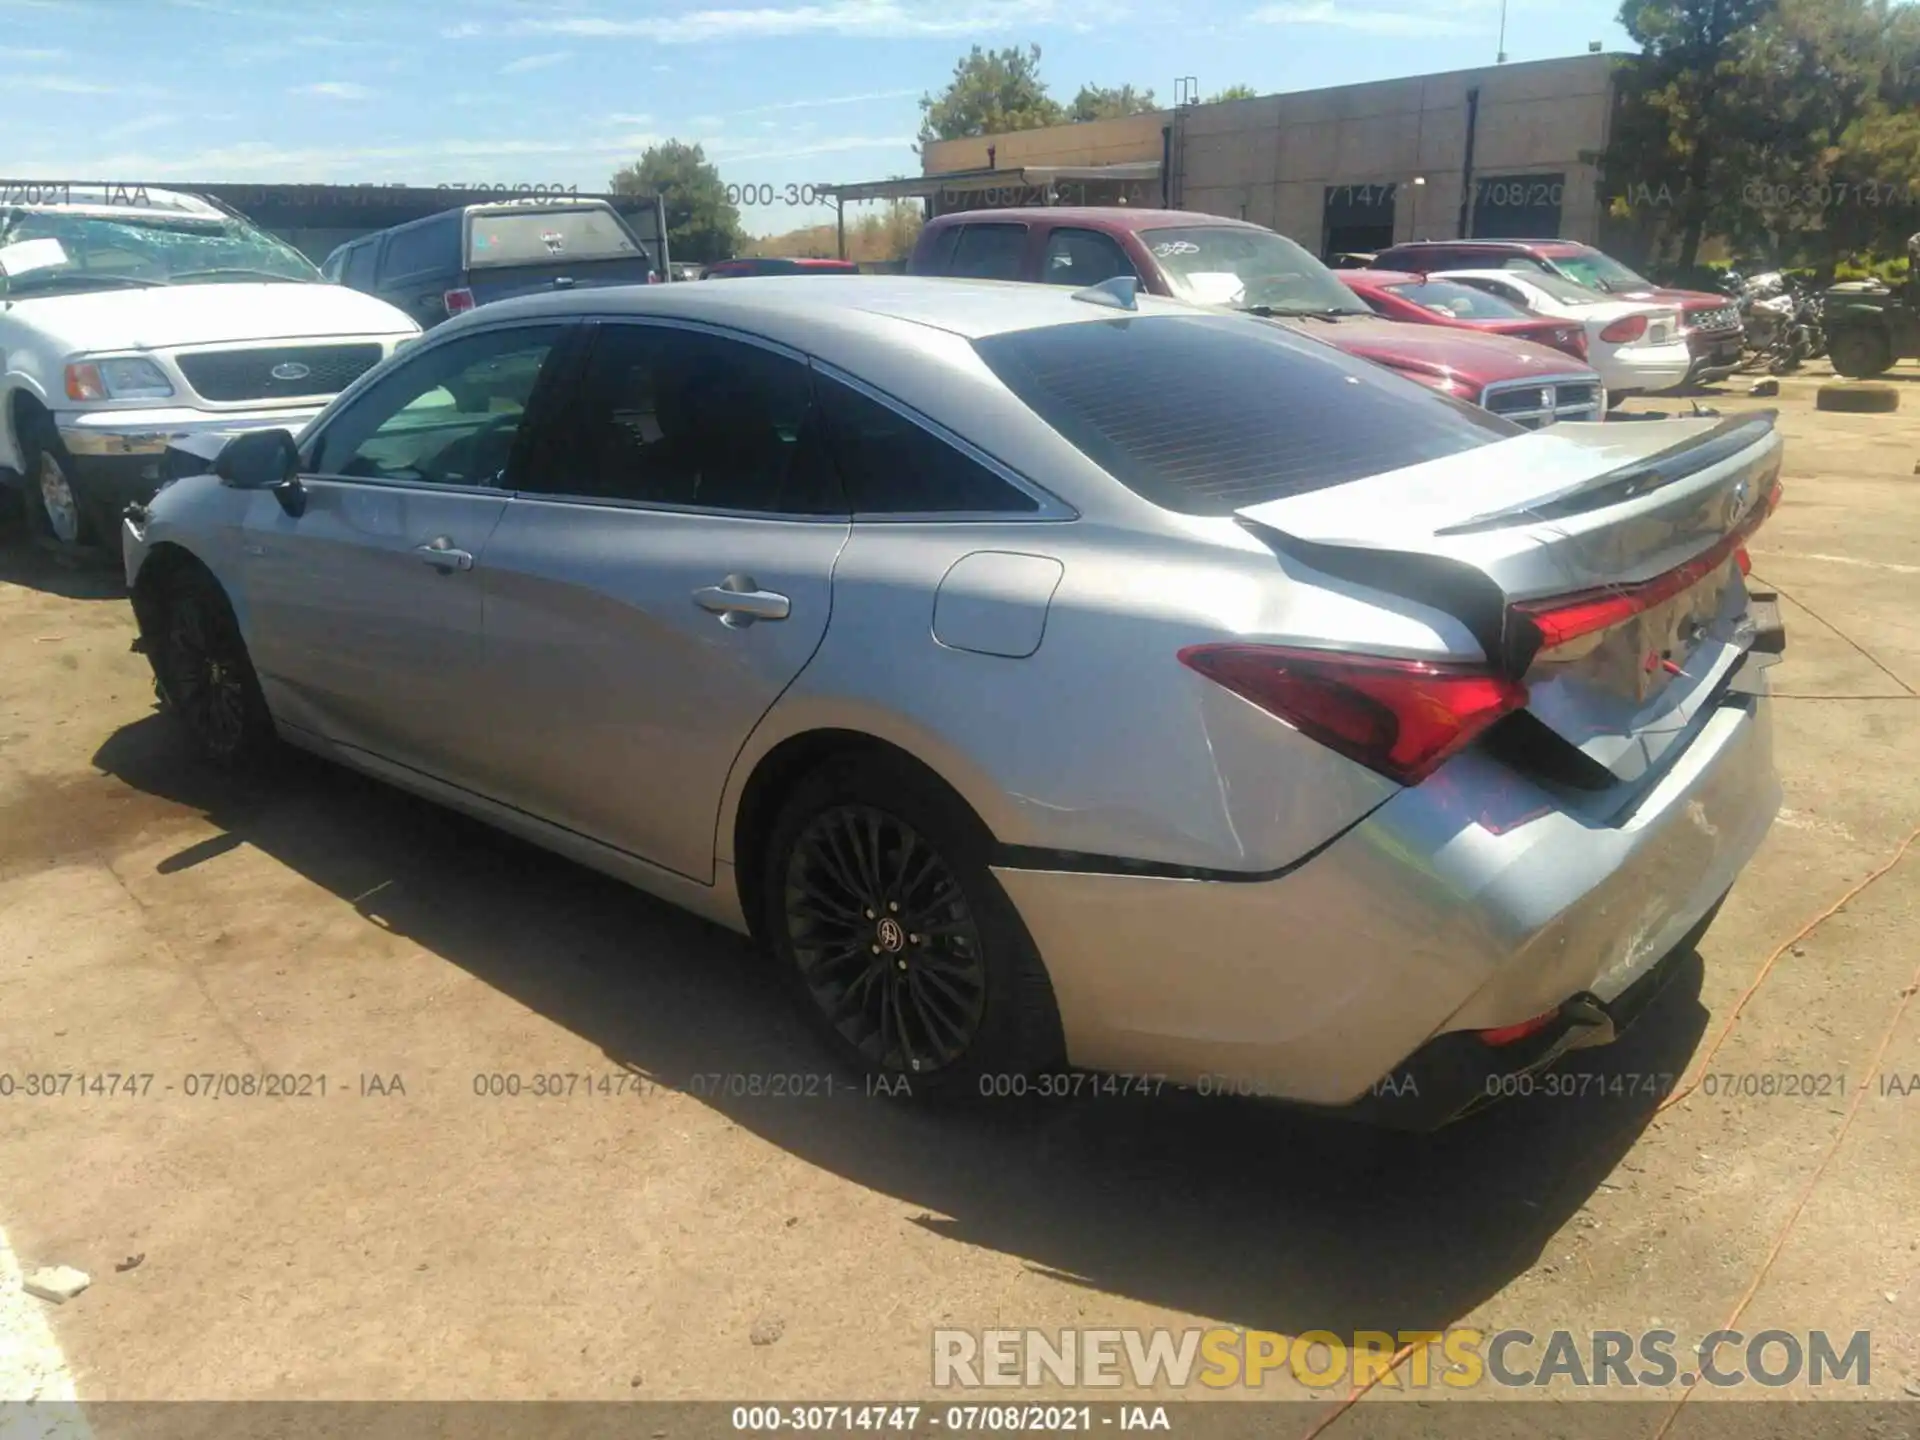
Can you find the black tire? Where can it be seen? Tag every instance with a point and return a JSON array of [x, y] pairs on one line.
[[203, 674], [875, 898], [71, 528], [1858, 353]]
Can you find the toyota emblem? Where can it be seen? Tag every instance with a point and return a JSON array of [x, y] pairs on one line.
[[290, 370]]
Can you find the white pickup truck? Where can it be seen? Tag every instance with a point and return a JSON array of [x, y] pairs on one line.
[[129, 318]]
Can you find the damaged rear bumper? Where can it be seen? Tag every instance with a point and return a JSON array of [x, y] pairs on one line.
[[1479, 899]]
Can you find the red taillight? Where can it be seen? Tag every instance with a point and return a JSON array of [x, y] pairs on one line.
[[1507, 1034], [653, 278], [1743, 560], [1631, 327], [1399, 717], [458, 301], [1569, 617]]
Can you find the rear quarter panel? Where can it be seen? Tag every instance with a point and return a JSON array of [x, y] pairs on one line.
[[1100, 741]]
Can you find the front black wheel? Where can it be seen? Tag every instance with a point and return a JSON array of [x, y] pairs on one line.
[[1858, 353], [909, 956], [203, 673]]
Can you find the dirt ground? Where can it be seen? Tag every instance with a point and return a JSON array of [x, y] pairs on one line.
[[406, 1237]]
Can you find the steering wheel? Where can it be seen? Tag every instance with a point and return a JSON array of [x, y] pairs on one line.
[[475, 459]]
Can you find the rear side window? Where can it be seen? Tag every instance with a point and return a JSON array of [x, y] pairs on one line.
[[1204, 414], [540, 236], [431, 248], [989, 252], [891, 466], [1083, 257]]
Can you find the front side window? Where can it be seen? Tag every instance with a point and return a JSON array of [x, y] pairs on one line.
[[672, 417], [1249, 269], [358, 269], [447, 416], [1205, 414]]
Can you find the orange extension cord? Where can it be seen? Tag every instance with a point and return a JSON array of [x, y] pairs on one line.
[[1780, 1240]]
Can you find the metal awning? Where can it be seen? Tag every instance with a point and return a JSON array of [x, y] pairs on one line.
[[988, 179]]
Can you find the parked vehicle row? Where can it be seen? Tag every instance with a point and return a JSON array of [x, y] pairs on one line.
[[1042, 674], [1710, 324], [1234, 265]]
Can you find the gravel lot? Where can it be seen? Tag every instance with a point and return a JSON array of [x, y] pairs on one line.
[[403, 1236]]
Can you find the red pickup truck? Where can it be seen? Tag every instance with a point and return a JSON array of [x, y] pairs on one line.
[[1214, 261]]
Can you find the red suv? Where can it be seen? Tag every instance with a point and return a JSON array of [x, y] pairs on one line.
[[1710, 323], [1213, 261]]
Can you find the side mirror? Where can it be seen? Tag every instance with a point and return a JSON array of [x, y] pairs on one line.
[[258, 460], [264, 460]]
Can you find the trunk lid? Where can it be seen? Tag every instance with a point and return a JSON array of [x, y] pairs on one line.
[[1598, 562]]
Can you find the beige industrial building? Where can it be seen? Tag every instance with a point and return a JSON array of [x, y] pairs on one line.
[[1507, 150]]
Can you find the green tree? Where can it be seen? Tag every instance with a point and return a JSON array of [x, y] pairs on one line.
[[1691, 55], [701, 225], [1232, 92], [991, 92], [1096, 102]]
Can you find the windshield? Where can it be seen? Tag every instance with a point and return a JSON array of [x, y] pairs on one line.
[[1248, 269], [1602, 272], [1462, 302], [42, 249]]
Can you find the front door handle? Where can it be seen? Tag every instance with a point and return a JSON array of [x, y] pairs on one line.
[[443, 556], [738, 601]]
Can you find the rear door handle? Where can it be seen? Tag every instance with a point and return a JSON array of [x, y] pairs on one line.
[[738, 601], [443, 556]]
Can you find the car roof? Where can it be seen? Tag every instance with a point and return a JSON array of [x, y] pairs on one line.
[[1097, 217], [774, 305], [143, 201]]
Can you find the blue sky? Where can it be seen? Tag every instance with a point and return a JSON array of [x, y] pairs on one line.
[[561, 92]]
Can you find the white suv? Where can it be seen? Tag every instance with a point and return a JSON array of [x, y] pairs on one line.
[[131, 317]]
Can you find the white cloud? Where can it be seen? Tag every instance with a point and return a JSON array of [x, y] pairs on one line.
[[1344, 16], [67, 85], [875, 18], [140, 126], [535, 62], [335, 90], [830, 100]]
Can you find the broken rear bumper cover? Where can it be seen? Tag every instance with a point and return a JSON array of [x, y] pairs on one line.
[[1475, 900]]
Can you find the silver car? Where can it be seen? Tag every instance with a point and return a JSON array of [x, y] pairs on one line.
[[1044, 678]]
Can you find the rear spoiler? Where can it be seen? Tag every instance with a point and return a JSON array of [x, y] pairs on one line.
[[1467, 592], [1664, 467]]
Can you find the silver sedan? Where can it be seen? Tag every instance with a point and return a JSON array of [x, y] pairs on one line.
[[1044, 678]]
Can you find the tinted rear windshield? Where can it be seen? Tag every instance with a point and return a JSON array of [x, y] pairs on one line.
[[1204, 414], [541, 236]]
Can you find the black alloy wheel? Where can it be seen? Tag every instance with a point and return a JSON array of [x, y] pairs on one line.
[[203, 672], [875, 893], [886, 943]]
